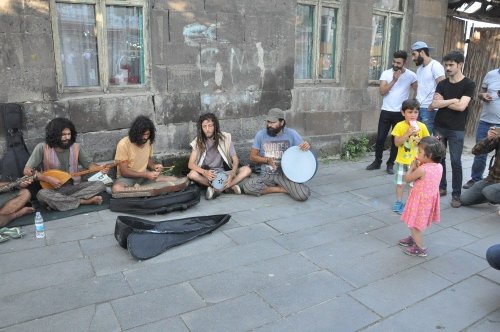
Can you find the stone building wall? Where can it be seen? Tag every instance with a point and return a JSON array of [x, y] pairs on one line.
[[231, 57]]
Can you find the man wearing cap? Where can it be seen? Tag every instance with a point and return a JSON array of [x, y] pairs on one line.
[[267, 149], [395, 87], [429, 73], [490, 117]]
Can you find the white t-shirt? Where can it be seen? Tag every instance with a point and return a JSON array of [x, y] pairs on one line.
[[400, 90], [426, 76], [491, 110]]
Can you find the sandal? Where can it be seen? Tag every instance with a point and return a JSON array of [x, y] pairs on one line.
[[4, 238], [14, 232]]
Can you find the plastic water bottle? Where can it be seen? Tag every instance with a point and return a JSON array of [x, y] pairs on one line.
[[39, 227]]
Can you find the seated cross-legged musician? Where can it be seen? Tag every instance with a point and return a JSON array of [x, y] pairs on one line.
[[213, 152], [139, 170], [13, 202], [60, 152]]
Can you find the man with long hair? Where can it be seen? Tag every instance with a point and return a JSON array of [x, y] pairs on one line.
[[267, 149], [213, 152], [137, 150], [60, 151]]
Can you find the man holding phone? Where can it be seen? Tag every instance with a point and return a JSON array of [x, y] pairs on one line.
[[490, 117], [395, 86], [487, 190]]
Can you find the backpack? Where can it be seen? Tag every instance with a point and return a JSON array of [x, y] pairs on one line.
[[16, 155]]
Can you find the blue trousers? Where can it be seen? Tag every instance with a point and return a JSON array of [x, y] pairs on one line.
[[427, 117], [479, 164], [493, 256], [481, 192], [453, 140]]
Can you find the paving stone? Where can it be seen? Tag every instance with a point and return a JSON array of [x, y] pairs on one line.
[[445, 240], [301, 221], [487, 324], [192, 267], [452, 309], [28, 241], [457, 265], [240, 314], [174, 324], [96, 318], [156, 304], [482, 226], [393, 233], [78, 220], [451, 216], [479, 247], [305, 292], [238, 281], [378, 265], [59, 273], [340, 314], [55, 299], [79, 232], [385, 296], [251, 233], [47, 255]]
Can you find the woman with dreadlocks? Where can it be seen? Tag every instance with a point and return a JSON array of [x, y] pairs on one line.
[[213, 152]]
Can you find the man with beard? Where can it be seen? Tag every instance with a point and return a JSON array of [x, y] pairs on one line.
[[213, 152], [452, 98], [61, 152], [429, 73], [267, 149], [137, 150], [395, 86]]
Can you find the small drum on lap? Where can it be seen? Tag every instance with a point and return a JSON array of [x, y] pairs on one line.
[[219, 181], [298, 165]]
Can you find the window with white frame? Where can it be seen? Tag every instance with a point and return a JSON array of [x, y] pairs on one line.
[[316, 34], [387, 23], [99, 44]]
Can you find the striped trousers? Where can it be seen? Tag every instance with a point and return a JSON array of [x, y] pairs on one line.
[[256, 185]]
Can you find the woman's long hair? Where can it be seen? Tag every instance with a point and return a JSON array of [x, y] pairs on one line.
[[140, 125], [201, 138], [54, 129]]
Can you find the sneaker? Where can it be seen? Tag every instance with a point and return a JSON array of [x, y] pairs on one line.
[[415, 250], [210, 193], [397, 206], [455, 202], [406, 242], [236, 189], [469, 184], [375, 165], [390, 169], [442, 192], [401, 209]]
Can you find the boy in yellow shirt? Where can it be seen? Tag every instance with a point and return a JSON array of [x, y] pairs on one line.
[[406, 134]]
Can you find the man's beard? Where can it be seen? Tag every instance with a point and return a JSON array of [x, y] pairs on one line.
[[396, 68], [274, 131], [64, 145], [142, 141], [419, 60]]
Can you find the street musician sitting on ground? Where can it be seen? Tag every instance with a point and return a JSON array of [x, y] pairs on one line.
[[60, 152]]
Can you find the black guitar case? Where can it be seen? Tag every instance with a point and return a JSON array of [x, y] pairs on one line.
[[16, 155], [174, 201], [145, 239]]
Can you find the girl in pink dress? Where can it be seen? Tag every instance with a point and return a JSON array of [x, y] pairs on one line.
[[422, 207]]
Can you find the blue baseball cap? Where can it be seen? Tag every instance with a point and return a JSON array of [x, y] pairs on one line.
[[420, 45]]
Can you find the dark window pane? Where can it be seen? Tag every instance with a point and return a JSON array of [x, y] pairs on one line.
[[303, 41]]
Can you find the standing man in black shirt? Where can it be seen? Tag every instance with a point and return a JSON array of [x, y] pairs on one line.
[[452, 98]]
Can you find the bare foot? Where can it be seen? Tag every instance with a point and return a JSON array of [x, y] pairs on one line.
[[96, 200], [24, 211]]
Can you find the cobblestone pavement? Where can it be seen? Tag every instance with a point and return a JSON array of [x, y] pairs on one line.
[[331, 263]]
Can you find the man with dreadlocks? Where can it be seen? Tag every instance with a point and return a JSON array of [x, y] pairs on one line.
[[213, 152], [137, 149], [61, 152]]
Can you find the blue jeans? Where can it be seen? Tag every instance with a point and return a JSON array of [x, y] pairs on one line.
[[481, 192], [386, 121], [480, 160], [493, 256], [427, 117], [454, 139]]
